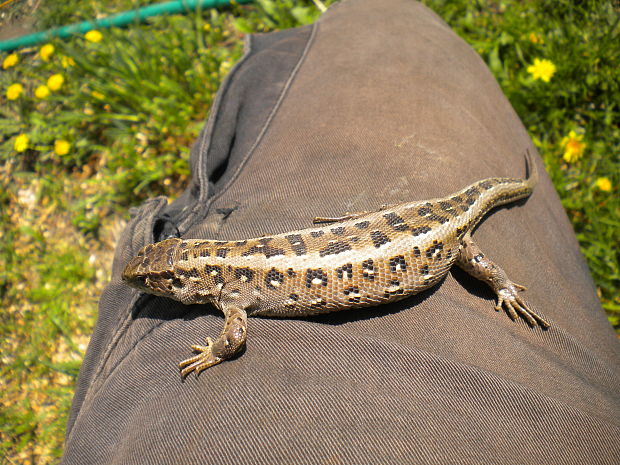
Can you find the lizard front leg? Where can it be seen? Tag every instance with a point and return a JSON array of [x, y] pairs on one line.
[[230, 341], [475, 263]]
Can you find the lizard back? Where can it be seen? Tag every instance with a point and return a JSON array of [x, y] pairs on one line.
[[371, 259]]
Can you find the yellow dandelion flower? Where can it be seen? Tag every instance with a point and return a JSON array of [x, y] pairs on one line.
[[66, 61], [573, 147], [603, 184], [97, 95], [21, 143], [61, 147], [542, 69], [225, 67], [535, 38], [93, 36], [42, 91], [14, 91], [55, 81], [10, 60], [46, 51]]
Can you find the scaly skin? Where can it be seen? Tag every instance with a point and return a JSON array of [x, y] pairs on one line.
[[360, 260]]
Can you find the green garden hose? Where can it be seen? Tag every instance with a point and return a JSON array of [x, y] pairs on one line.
[[117, 20]]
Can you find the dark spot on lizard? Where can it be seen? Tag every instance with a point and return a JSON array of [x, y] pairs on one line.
[[379, 238], [335, 248], [267, 250], [362, 224], [215, 272], [345, 270], [368, 269], [416, 251], [294, 297], [353, 293], [448, 207], [315, 277], [297, 244], [244, 274], [191, 273], [317, 233], [184, 256], [274, 278], [219, 243], [394, 289], [241, 243], [425, 210], [291, 272], [339, 231], [221, 252], [395, 221], [398, 264], [486, 184], [420, 230], [436, 247], [472, 193], [478, 258]]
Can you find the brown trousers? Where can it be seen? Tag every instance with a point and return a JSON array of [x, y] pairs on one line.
[[378, 103]]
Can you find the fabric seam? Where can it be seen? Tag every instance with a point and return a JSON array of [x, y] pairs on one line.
[[209, 201]]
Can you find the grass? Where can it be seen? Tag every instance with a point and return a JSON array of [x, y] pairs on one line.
[[118, 130]]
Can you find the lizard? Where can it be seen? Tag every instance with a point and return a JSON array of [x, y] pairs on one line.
[[357, 260]]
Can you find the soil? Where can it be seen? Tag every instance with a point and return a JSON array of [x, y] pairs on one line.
[[17, 17]]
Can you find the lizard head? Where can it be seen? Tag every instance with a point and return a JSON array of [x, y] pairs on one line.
[[152, 270]]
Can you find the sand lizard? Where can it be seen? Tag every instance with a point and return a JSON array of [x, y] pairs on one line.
[[359, 260]]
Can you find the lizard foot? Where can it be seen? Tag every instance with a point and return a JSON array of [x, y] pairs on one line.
[[200, 362], [509, 298]]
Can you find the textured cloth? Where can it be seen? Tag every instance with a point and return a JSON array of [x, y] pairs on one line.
[[377, 103]]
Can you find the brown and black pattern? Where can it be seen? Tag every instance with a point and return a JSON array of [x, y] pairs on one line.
[[334, 248], [368, 269], [315, 277], [395, 221], [274, 279], [297, 244], [434, 251], [264, 249], [345, 271], [398, 263], [244, 274], [366, 259], [379, 238]]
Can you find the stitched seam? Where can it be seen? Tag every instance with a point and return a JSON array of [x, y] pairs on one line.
[[205, 142], [208, 202]]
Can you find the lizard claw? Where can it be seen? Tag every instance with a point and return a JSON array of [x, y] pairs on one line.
[[509, 299], [200, 362]]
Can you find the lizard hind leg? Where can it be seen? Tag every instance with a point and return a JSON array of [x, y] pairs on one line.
[[230, 342], [475, 263]]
